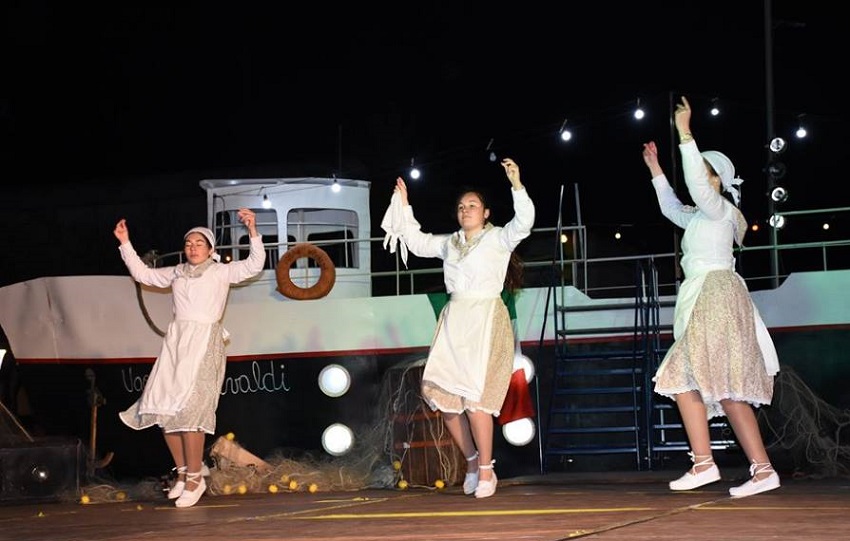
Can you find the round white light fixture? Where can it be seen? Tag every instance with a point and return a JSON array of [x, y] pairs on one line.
[[337, 439], [519, 432], [777, 221], [334, 380], [777, 145], [779, 194], [522, 361]]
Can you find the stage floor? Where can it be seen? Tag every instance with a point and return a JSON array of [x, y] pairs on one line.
[[614, 506]]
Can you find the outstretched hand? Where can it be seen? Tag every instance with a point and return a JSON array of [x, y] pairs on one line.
[[683, 116], [248, 219], [121, 232], [512, 171], [650, 154], [650, 158], [401, 190]]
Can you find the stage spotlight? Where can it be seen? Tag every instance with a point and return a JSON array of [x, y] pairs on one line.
[[334, 380], [522, 361], [779, 194], [519, 432], [777, 221], [337, 439], [776, 170], [778, 145]]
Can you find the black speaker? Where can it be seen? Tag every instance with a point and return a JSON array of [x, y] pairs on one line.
[[40, 470]]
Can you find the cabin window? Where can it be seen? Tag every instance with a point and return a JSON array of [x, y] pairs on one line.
[[232, 237], [333, 230]]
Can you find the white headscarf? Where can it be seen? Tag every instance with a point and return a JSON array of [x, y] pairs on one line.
[[726, 171], [207, 235]]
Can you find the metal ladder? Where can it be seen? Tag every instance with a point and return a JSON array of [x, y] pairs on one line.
[[665, 432], [598, 388]]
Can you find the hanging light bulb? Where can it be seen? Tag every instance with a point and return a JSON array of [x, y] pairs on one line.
[[801, 128], [335, 187], [566, 134], [414, 171], [715, 110], [267, 204], [492, 156], [639, 114]]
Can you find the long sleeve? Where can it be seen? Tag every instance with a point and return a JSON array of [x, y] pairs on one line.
[[706, 198], [242, 270], [671, 207], [521, 224], [162, 277], [421, 244]]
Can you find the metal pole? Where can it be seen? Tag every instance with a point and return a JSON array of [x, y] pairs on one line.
[[768, 70], [674, 178]]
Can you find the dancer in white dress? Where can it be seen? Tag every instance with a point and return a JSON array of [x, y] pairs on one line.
[[470, 362], [722, 361], [182, 390]]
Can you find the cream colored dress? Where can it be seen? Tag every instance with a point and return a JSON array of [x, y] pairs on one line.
[[182, 390], [471, 357], [721, 346]]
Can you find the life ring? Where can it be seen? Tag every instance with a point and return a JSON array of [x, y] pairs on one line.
[[317, 290]]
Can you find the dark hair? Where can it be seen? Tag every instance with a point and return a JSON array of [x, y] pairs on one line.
[[513, 278], [725, 193], [514, 275]]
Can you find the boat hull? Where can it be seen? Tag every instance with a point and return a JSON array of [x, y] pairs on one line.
[[72, 334]]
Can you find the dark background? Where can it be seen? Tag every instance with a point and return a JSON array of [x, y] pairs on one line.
[[119, 110]]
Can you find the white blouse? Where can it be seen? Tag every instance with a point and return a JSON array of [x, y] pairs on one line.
[[197, 304]]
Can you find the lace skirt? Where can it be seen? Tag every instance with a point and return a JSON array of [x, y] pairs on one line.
[[499, 369], [199, 413], [718, 354]]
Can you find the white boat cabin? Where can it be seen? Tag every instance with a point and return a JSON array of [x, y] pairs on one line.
[[330, 213]]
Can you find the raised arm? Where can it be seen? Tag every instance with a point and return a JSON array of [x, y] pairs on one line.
[[519, 227], [671, 207]]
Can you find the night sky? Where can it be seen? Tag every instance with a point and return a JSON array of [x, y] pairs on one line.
[[119, 110]]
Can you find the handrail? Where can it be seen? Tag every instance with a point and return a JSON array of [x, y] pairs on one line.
[[575, 270]]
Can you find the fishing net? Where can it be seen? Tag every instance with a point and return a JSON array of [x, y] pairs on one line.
[[799, 427]]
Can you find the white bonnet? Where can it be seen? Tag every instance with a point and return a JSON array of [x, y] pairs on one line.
[[203, 231], [207, 235], [724, 168]]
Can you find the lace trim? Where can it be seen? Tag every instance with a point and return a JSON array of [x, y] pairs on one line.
[[465, 247], [195, 272]]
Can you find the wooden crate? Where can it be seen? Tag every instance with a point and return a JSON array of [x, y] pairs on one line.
[[421, 441]]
